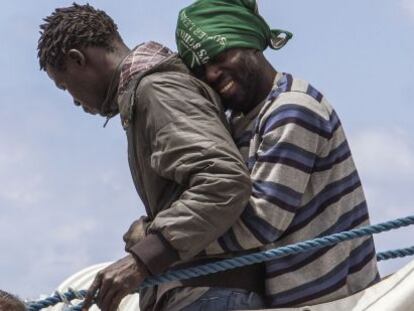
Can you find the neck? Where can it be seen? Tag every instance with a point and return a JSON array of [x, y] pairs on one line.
[[269, 75], [115, 58], [109, 63]]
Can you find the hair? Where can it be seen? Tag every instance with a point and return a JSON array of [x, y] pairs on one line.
[[8, 302], [74, 27]]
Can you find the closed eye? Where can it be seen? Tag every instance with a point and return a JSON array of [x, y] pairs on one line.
[[200, 72]]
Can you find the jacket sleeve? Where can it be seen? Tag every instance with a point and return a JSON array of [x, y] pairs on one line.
[[191, 146], [290, 136]]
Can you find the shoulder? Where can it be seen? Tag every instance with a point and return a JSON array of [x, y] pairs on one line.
[[172, 83], [176, 90], [166, 97], [293, 93]]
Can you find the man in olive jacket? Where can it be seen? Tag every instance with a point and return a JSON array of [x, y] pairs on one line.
[[185, 166]]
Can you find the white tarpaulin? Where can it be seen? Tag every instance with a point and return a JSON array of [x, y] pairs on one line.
[[395, 293], [82, 280]]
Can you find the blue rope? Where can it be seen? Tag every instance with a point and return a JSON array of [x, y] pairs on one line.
[[395, 253], [259, 257], [55, 299]]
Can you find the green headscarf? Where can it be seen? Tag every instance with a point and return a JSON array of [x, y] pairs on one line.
[[209, 27]]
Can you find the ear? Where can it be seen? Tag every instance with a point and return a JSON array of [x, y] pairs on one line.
[[258, 54], [76, 57]]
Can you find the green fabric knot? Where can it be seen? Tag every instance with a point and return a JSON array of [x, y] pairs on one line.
[[209, 27]]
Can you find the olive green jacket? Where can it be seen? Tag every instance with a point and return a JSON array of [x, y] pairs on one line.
[[184, 163]]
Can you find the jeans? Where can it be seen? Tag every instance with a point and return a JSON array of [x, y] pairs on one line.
[[222, 299]]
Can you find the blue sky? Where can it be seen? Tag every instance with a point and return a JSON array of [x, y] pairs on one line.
[[66, 195]]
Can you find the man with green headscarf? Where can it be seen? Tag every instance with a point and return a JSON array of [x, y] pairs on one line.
[[305, 183]]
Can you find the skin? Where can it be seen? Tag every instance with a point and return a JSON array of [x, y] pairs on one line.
[[242, 77], [115, 282], [86, 76]]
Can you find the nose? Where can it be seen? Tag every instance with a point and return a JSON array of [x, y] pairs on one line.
[[212, 73]]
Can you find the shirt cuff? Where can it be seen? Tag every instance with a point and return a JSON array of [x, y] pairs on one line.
[[155, 253]]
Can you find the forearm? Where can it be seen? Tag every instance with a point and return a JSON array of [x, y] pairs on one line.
[[207, 209], [189, 225], [258, 226], [155, 253]]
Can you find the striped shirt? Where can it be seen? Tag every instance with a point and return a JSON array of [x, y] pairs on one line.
[[305, 185]]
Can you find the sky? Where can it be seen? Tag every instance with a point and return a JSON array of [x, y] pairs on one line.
[[66, 194]]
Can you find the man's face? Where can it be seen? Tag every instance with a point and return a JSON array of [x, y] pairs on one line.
[[85, 86], [234, 75]]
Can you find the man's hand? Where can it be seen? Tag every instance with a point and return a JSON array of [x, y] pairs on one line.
[[114, 283], [135, 233]]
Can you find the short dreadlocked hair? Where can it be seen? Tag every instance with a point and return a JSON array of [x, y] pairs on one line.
[[8, 302], [74, 27]]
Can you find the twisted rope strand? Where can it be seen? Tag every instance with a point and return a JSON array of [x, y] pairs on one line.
[[395, 253], [56, 298]]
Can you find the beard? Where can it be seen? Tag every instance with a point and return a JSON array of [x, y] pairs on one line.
[[247, 79]]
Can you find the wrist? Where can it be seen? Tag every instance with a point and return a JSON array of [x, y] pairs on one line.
[[140, 266], [155, 253]]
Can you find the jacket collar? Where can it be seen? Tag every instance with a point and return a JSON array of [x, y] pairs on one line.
[[142, 58]]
